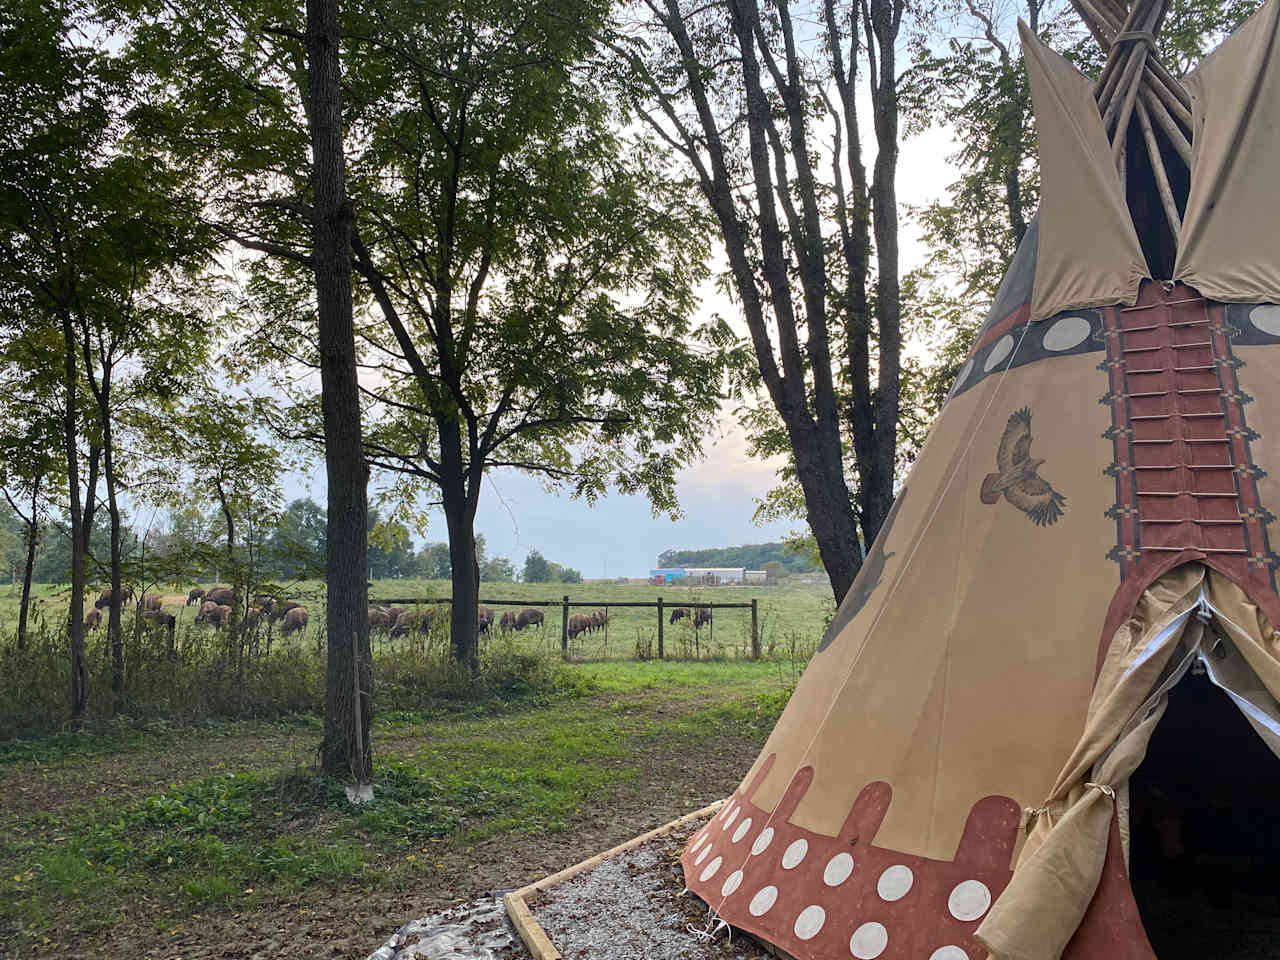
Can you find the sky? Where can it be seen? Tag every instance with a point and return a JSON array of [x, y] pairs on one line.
[[619, 536]]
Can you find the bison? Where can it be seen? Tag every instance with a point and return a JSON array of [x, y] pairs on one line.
[[223, 596], [484, 619], [93, 619], [578, 625], [214, 614], [161, 619], [529, 617], [195, 594], [508, 622], [413, 621], [104, 599], [295, 621], [598, 620], [281, 610], [379, 618], [679, 613], [701, 616], [151, 602]]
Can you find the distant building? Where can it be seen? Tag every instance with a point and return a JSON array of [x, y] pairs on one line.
[[667, 575], [688, 576]]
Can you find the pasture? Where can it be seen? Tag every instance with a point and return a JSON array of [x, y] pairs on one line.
[[193, 823], [789, 614], [220, 840]]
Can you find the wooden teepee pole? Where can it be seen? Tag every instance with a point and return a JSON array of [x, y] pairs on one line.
[[1162, 177]]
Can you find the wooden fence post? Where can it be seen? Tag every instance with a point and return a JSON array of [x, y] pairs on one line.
[[755, 631], [564, 628], [660, 619]]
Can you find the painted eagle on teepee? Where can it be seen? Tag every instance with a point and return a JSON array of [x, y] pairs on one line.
[[1017, 477]]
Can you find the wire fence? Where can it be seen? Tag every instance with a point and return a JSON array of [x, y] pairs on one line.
[[699, 613]]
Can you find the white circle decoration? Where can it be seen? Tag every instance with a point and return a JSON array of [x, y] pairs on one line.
[[732, 817], [697, 842], [762, 842], [731, 883], [869, 941], [837, 870], [728, 808], [810, 922], [711, 869], [949, 952], [762, 901], [998, 354], [1066, 333], [792, 856], [1266, 318], [969, 900], [741, 832], [963, 375], [895, 882], [702, 856]]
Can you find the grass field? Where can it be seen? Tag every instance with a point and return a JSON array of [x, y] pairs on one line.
[[192, 822], [791, 615], [221, 840]]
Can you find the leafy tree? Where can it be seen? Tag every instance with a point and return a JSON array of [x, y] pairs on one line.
[[536, 568], [750, 94], [297, 547], [528, 270], [390, 549], [497, 570], [753, 556], [434, 562]]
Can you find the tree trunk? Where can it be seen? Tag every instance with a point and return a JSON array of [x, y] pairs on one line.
[[876, 472], [347, 562], [114, 629], [76, 619], [33, 536], [464, 620]]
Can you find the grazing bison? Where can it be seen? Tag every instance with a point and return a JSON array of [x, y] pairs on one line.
[[508, 622], [379, 618], [529, 617], [194, 595], [294, 621], [280, 611], [151, 602], [679, 613], [93, 619], [161, 619], [265, 603], [223, 596], [578, 625], [413, 621], [104, 599], [484, 618], [214, 614], [701, 616]]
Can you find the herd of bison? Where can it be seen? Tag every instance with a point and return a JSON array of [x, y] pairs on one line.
[[217, 604]]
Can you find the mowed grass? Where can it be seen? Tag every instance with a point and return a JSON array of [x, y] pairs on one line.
[[150, 830]]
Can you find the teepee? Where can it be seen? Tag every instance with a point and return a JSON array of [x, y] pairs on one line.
[[1088, 521]]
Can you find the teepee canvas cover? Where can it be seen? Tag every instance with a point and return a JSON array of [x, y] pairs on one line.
[[950, 777]]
